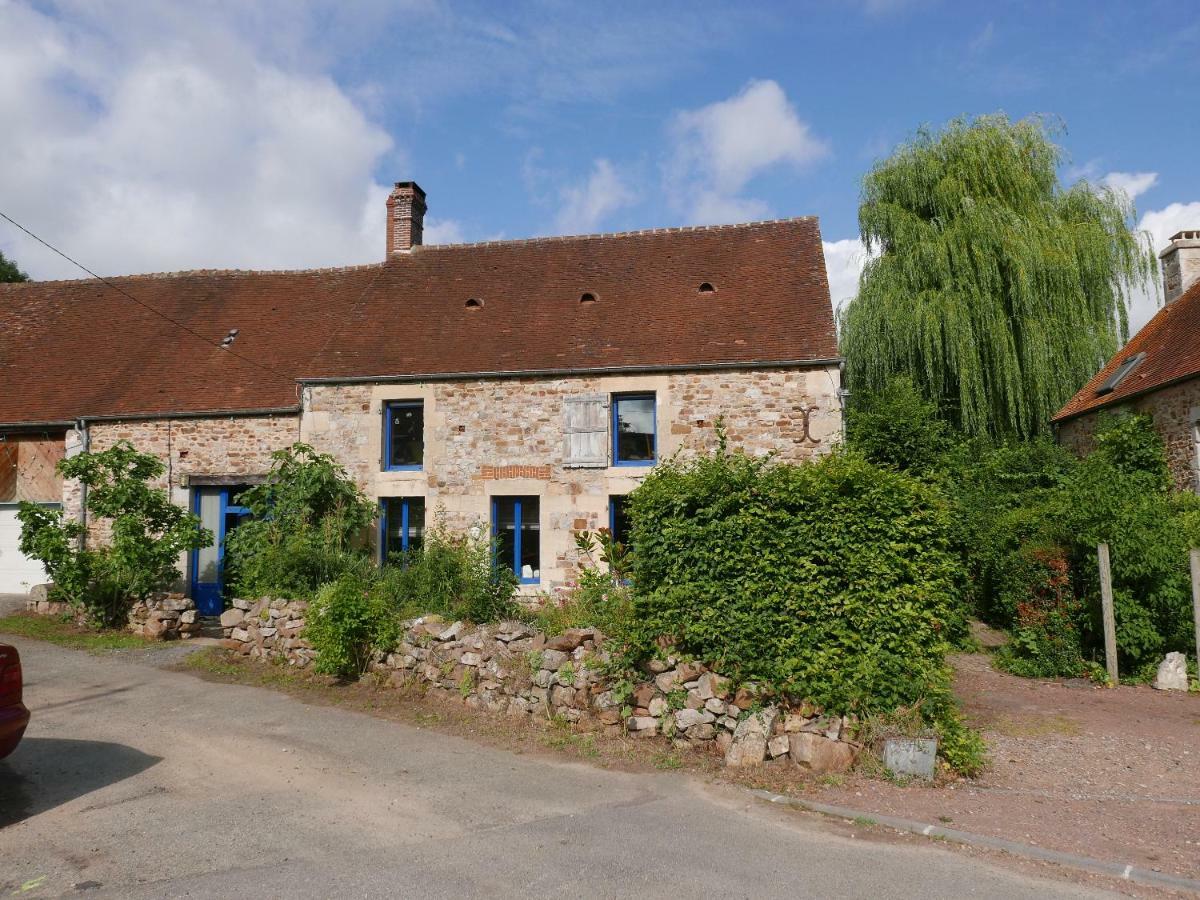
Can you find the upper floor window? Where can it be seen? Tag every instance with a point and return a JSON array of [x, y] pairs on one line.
[[633, 430], [404, 435]]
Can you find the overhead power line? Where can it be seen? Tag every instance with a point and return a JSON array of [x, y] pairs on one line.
[[120, 290]]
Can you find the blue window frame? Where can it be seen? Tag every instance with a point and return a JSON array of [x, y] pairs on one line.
[[517, 530], [401, 526], [634, 432], [403, 435]]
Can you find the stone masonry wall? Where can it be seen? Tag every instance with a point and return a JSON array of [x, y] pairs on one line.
[[225, 445], [509, 669], [1176, 413], [163, 616], [498, 437]]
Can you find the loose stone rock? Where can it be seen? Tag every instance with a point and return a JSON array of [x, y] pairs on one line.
[[1172, 673]]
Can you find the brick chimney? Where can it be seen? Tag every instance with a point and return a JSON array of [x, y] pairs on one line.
[[1180, 263], [405, 217]]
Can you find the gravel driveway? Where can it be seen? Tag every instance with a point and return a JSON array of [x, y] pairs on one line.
[[139, 782]]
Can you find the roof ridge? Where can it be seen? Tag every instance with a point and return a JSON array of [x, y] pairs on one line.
[[559, 238], [422, 248], [149, 276]]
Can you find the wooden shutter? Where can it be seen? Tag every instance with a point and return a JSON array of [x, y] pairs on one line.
[[585, 431]]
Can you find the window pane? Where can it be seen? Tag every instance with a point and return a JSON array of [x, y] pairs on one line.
[[407, 438], [394, 508], [416, 522], [635, 429], [531, 543]]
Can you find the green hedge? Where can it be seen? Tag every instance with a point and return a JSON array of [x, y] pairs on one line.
[[835, 580]]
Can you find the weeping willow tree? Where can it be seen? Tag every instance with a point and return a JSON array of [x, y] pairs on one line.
[[995, 289]]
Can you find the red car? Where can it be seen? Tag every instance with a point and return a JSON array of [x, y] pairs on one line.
[[13, 714]]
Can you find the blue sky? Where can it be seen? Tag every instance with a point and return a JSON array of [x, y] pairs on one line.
[[264, 133]]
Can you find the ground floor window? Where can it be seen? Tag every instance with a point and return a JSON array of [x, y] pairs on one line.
[[618, 519], [401, 525], [517, 529]]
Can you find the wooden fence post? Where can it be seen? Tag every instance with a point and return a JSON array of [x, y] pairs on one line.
[[1195, 554], [1110, 622]]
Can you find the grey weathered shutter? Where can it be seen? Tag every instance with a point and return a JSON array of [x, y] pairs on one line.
[[585, 431]]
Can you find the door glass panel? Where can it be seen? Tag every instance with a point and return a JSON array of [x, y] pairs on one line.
[[531, 532], [506, 525], [208, 558]]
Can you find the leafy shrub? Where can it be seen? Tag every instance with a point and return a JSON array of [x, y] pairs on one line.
[[601, 598], [307, 524], [1149, 532], [348, 621], [898, 427], [835, 580], [452, 575], [1012, 502], [1045, 640], [1002, 499], [147, 534]]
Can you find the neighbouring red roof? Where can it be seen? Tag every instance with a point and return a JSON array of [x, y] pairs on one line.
[[71, 349], [1171, 342]]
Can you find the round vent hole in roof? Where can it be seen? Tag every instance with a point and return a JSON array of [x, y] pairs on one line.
[[707, 288], [474, 303], [587, 297]]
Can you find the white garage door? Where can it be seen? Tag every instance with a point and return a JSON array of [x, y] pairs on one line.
[[17, 573]]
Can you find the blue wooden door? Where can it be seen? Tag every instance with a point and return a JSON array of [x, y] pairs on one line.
[[219, 514]]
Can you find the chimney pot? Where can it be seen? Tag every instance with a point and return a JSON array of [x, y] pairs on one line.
[[1180, 263], [405, 217]]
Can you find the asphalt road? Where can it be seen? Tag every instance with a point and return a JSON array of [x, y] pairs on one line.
[[139, 782]]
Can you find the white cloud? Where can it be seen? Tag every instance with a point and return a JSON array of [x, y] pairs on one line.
[[1133, 184], [443, 231], [844, 262], [585, 206], [177, 144], [718, 149], [1160, 224]]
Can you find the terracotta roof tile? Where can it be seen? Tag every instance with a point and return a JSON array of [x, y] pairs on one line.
[[1171, 342], [79, 348]]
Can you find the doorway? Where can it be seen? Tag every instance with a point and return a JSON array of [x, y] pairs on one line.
[[219, 513]]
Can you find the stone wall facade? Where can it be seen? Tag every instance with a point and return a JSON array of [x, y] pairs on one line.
[[505, 437], [189, 449], [1175, 410], [491, 437], [510, 669]]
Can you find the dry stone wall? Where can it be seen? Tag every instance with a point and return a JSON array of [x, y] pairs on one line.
[[163, 616], [509, 669], [268, 629]]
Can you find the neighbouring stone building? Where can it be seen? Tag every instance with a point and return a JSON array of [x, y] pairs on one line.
[[1157, 372], [518, 387]]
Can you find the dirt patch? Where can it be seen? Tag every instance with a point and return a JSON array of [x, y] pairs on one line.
[[1112, 773]]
